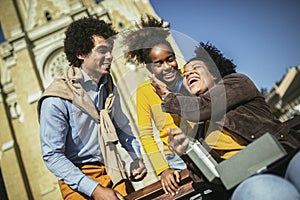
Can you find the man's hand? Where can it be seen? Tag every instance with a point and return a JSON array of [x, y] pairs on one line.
[[178, 141], [169, 180], [159, 87], [137, 170], [104, 193]]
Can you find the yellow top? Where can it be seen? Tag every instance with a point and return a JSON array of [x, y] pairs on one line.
[[148, 105], [225, 144]]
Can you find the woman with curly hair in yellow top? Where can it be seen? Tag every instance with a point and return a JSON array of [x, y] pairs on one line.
[[148, 45]]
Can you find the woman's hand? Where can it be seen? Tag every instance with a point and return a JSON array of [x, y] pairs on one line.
[[178, 141], [169, 180], [159, 87]]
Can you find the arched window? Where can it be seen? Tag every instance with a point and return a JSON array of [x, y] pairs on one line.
[[48, 15], [54, 66]]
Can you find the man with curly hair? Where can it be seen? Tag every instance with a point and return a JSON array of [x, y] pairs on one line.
[[81, 120]]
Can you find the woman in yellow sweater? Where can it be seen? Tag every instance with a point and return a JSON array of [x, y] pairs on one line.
[[148, 45]]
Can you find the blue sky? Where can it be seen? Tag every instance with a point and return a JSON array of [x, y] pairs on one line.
[[262, 37]]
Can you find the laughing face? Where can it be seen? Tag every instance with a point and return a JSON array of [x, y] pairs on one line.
[[198, 77], [98, 61], [163, 63]]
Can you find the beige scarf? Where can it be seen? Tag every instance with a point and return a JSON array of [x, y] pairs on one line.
[[70, 88]]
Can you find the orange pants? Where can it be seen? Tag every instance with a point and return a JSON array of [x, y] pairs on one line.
[[97, 173]]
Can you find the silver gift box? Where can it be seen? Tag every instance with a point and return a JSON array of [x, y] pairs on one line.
[[254, 159]]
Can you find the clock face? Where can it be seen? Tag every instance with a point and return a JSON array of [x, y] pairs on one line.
[[55, 67]]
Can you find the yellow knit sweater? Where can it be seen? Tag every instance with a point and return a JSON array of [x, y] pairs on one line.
[[150, 114]]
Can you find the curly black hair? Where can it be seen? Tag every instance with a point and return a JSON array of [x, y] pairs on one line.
[[218, 65], [149, 33], [79, 40]]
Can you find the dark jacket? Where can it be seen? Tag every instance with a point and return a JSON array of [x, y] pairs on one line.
[[234, 104]]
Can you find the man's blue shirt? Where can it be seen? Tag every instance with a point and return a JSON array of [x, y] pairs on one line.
[[70, 136]]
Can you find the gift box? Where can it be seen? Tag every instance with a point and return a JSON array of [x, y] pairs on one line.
[[253, 159]]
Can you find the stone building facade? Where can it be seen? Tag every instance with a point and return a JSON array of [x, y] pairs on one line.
[[31, 56], [284, 97]]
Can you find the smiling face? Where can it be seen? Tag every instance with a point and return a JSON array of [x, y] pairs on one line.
[[198, 77], [163, 63], [98, 61]]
